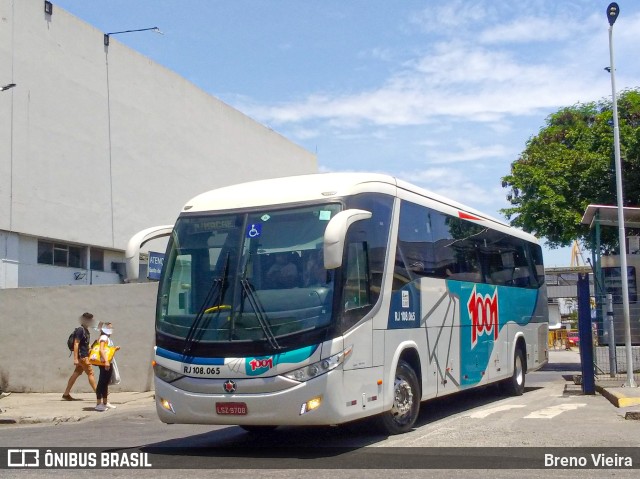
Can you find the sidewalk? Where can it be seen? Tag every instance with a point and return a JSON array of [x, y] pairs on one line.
[[35, 408], [618, 395], [609, 388]]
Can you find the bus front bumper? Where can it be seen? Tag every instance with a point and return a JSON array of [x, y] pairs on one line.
[[285, 407]]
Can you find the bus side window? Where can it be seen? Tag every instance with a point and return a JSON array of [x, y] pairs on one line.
[[365, 256], [356, 285], [179, 300]]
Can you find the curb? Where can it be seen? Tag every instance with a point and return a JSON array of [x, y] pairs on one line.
[[14, 416], [617, 399], [41, 420], [49, 419]]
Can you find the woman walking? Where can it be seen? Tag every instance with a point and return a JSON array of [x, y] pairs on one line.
[[102, 389]]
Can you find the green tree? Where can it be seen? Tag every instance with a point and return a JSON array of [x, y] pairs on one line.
[[569, 165]]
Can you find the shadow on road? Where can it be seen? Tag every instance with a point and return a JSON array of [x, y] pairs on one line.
[[362, 433], [561, 367], [354, 435], [441, 408]]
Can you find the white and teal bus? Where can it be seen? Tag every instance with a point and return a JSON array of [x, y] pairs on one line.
[[326, 298]]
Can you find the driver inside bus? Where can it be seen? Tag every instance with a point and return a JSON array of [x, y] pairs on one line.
[[283, 273]]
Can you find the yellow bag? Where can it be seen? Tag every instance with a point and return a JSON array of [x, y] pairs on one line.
[[94, 354]]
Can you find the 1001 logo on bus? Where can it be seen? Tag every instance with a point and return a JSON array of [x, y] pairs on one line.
[[483, 312], [261, 363]]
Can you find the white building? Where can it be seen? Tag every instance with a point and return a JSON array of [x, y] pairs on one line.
[[98, 142]]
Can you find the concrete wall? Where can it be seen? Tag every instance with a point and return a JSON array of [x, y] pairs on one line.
[[97, 143], [48, 276], [36, 322]]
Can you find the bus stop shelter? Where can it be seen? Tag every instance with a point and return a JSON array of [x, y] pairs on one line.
[[596, 217], [603, 215]]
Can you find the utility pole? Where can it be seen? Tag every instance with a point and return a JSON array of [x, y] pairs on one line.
[[613, 10]]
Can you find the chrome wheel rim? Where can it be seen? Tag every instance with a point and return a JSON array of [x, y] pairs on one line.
[[402, 400]]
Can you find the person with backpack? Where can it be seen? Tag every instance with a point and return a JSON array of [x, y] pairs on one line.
[[79, 344]]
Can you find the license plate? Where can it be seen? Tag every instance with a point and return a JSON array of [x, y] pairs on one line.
[[231, 408]]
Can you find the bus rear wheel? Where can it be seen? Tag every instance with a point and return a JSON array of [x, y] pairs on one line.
[[514, 386], [406, 402]]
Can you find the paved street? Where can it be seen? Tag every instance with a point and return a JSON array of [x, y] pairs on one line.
[[552, 413]]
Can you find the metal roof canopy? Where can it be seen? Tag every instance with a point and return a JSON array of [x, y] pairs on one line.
[[608, 216]]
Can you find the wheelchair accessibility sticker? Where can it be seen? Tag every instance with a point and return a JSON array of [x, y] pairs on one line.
[[254, 230]]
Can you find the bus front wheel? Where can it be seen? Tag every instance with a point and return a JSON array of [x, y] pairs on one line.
[[515, 384], [406, 402]]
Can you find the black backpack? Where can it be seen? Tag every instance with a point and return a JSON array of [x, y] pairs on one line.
[[71, 340]]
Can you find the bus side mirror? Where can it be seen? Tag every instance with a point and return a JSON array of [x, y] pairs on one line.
[[335, 234], [132, 253]]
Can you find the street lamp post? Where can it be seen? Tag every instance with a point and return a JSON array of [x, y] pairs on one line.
[[106, 51], [613, 10], [152, 29], [7, 86]]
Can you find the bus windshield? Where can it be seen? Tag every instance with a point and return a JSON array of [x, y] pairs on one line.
[[246, 277]]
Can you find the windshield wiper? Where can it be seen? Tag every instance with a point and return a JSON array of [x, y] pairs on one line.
[[254, 301], [250, 293], [214, 295], [189, 339]]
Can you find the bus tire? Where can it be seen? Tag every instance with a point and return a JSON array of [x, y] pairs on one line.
[[514, 386], [259, 429], [406, 402]]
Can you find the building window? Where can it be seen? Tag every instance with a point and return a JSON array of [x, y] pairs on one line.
[[76, 257], [45, 252], [60, 254], [97, 259]]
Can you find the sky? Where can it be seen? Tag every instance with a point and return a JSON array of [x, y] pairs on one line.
[[442, 94]]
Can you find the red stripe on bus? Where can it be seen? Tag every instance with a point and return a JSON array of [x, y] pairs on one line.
[[467, 216]]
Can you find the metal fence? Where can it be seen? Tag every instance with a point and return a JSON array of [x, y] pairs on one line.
[[608, 329]]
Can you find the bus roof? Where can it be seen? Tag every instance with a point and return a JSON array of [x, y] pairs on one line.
[[323, 186]]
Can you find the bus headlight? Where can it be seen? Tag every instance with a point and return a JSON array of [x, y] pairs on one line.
[[321, 367], [166, 404], [310, 405], [167, 375]]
